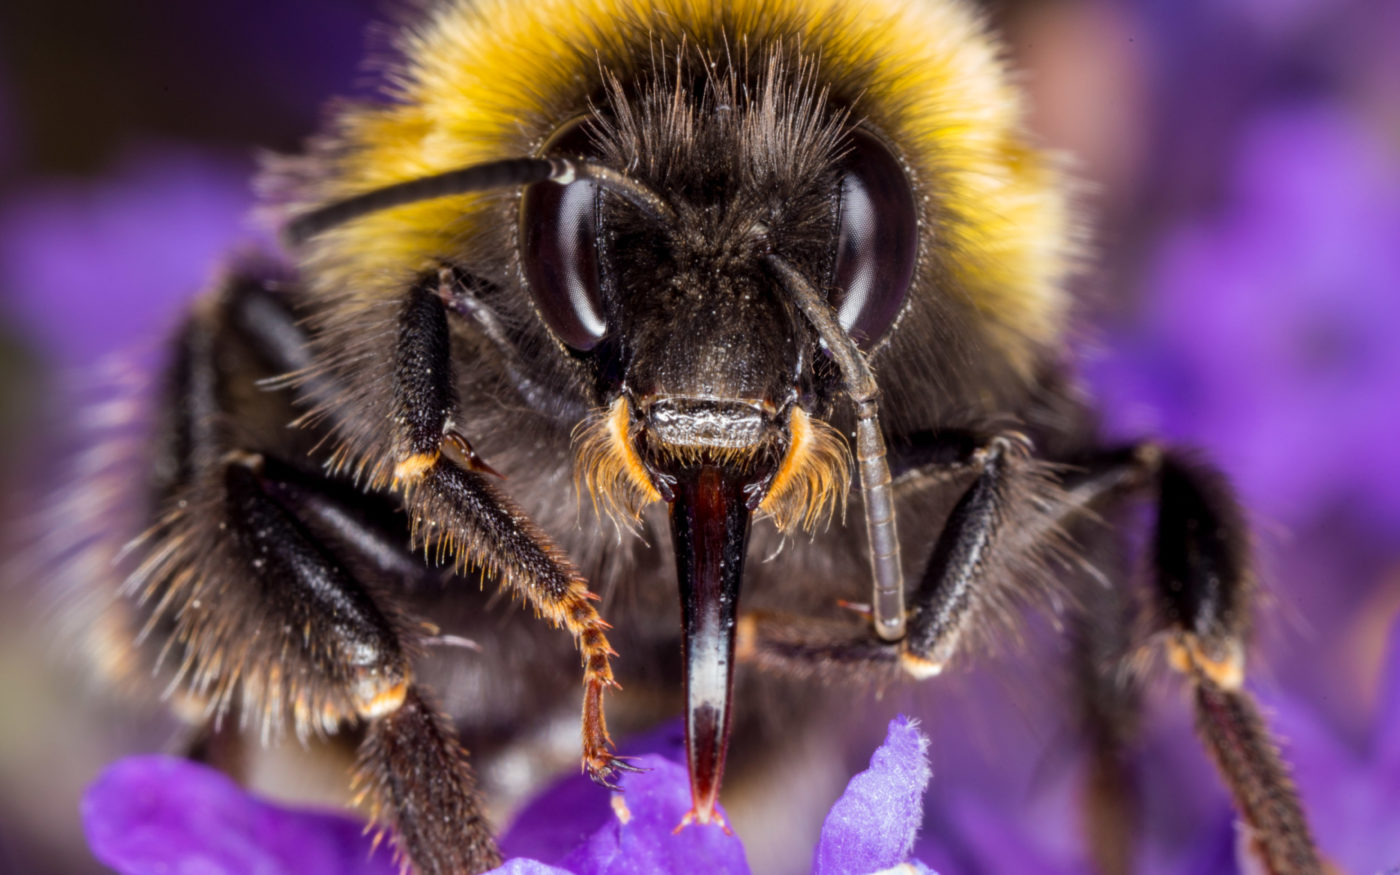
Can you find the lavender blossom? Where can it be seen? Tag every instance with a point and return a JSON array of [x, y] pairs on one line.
[[1269, 337], [149, 815], [156, 814], [872, 826], [1353, 786], [96, 268]]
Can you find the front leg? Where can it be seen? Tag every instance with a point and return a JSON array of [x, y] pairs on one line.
[[967, 556], [425, 387], [458, 514], [1003, 527]]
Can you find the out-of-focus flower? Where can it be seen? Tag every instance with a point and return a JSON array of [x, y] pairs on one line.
[[149, 815], [1036, 825], [1269, 336], [155, 814], [1353, 789], [90, 268]]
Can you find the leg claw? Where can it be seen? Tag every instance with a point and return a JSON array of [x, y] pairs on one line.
[[473, 462], [601, 768]]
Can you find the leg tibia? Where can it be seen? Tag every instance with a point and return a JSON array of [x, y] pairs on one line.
[[413, 776], [1204, 581], [1248, 759], [424, 390], [1202, 593], [256, 608], [954, 580]]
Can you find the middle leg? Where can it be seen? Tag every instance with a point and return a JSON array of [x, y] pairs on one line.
[[1007, 525]]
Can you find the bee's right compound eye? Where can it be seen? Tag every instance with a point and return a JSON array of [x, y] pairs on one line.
[[559, 249], [878, 241]]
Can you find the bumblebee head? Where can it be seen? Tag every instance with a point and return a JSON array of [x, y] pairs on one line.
[[666, 283], [669, 276]]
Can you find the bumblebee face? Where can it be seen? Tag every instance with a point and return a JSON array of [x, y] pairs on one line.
[[676, 311], [673, 312]]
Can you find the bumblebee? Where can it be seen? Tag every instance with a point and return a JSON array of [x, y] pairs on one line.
[[718, 271]]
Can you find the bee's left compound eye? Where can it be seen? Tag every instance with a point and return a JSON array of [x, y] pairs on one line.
[[878, 240], [559, 249]]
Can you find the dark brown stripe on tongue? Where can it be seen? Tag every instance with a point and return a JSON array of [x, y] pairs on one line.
[[710, 531]]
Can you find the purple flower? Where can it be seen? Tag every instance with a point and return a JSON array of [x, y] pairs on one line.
[[638, 837], [872, 826], [156, 814], [1352, 786], [148, 815], [1270, 334], [93, 268]]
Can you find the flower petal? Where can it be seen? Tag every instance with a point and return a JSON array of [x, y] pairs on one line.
[[642, 838], [155, 815], [872, 826], [567, 814], [522, 866]]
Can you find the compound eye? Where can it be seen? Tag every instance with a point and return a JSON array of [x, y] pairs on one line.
[[878, 240], [559, 248]]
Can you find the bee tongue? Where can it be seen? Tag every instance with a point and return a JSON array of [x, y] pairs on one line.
[[710, 530]]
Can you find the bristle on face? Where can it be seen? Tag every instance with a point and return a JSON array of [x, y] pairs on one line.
[[814, 477], [811, 482], [608, 468]]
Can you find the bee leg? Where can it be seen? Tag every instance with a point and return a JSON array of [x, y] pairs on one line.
[[1005, 511], [425, 388], [1107, 694], [411, 767], [308, 641], [367, 525], [1201, 593], [417, 778], [456, 512], [968, 553], [999, 514], [1203, 584], [256, 609], [463, 295]]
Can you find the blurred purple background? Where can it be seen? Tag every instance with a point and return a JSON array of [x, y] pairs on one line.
[[1244, 161]]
